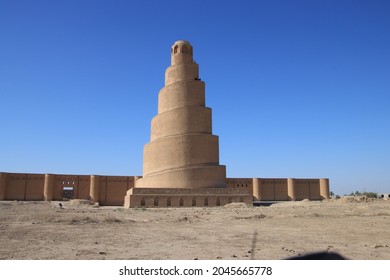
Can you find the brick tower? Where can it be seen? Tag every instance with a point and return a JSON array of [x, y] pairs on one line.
[[182, 156]]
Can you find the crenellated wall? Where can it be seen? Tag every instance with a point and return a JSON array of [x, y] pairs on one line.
[[107, 190], [111, 190], [276, 189]]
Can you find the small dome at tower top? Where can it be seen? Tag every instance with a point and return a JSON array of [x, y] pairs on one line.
[[180, 42], [181, 52]]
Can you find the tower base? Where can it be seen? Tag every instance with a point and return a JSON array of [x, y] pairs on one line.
[[174, 197]]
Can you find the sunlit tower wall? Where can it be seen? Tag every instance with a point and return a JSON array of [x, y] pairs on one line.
[[182, 152]]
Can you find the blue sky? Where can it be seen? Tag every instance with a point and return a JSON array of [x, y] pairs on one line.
[[298, 88]]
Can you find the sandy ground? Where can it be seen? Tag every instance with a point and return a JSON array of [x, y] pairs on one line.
[[42, 230]]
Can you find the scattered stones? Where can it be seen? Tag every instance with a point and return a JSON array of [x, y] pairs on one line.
[[79, 202], [236, 205], [289, 250], [184, 219], [254, 217]]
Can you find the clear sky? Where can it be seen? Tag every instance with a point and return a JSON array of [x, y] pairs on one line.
[[298, 88]]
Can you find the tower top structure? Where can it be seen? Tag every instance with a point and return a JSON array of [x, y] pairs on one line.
[[181, 52]]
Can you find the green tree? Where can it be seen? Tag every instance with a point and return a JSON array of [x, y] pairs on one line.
[[370, 194], [357, 193]]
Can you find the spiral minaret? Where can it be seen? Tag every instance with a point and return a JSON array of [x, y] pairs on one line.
[[182, 152]]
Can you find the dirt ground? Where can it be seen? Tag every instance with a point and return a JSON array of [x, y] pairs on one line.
[[78, 230]]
